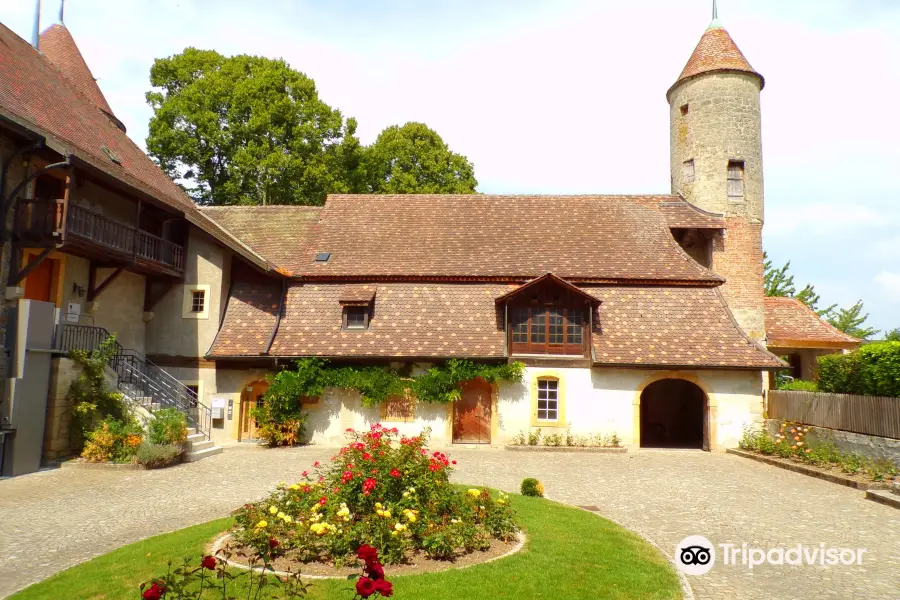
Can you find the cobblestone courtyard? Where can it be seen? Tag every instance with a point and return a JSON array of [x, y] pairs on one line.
[[55, 519]]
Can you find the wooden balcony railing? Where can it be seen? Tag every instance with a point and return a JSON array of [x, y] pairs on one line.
[[51, 219]]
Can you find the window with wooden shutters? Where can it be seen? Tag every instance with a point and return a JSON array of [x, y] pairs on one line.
[[547, 330], [688, 171], [736, 180]]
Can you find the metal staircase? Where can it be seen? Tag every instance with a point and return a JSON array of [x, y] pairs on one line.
[[142, 381]]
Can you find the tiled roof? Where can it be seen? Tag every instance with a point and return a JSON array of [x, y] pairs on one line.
[[58, 46], [791, 322], [421, 320], [481, 236], [639, 326], [671, 326], [716, 51], [277, 233], [249, 319], [357, 294], [36, 95]]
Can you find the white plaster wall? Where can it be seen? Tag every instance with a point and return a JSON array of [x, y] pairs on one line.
[[120, 308], [603, 400]]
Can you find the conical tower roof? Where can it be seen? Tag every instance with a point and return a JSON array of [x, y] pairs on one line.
[[57, 44], [716, 52]]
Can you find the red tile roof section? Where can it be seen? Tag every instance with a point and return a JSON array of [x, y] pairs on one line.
[[408, 320], [34, 92], [277, 233], [357, 294], [507, 237], [249, 319], [791, 322], [57, 45], [716, 51], [668, 326]]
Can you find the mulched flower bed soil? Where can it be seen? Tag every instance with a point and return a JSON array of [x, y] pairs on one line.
[[416, 562]]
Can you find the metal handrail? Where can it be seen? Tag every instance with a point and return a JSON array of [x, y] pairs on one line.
[[136, 372]]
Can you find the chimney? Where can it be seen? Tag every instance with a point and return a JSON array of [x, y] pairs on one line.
[[36, 34]]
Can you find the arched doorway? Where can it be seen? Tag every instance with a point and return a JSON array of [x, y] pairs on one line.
[[251, 397], [674, 415]]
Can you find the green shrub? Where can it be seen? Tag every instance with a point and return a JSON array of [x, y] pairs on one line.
[[157, 456], [532, 487], [519, 439], [872, 370], [852, 463], [113, 440], [534, 437], [168, 426], [554, 439], [799, 385]]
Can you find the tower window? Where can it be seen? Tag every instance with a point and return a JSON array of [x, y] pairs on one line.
[[735, 180], [684, 110], [688, 171]]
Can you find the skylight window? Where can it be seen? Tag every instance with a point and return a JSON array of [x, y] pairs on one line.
[[323, 257], [111, 155]]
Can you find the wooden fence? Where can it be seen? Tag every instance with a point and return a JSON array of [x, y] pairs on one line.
[[870, 415]]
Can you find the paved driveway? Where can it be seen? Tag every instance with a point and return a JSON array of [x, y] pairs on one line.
[[55, 519]]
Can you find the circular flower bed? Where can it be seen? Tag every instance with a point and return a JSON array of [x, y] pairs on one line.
[[381, 490]]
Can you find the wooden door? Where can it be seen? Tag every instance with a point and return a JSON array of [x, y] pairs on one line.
[[472, 413], [251, 397], [39, 283]]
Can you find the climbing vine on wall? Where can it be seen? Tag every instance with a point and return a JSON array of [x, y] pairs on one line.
[[440, 383]]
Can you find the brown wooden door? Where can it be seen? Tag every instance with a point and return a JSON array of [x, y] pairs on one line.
[[39, 283], [472, 413], [251, 397]]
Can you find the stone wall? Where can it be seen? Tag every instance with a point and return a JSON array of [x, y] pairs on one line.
[[722, 123], [58, 439], [868, 445]]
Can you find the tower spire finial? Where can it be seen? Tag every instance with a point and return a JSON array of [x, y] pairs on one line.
[[715, 10], [36, 33], [715, 23], [62, 9]]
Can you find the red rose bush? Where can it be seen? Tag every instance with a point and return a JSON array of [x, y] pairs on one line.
[[381, 490]]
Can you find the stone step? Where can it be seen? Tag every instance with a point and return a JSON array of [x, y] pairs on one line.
[[192, 431], [195, 437], [200, 445], [201, 454]]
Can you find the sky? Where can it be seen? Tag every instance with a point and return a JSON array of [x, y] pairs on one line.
[[568, 96]]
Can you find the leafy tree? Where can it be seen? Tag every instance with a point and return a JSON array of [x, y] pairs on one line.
[[413, 159], [893, 335], [778, 282], [851, 321], [246, 130]]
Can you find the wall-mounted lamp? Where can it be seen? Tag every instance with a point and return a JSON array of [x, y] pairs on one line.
[[78, 290]]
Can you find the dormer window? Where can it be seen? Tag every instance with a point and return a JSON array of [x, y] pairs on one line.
[[548, 316], [357, 302], [356, 317]]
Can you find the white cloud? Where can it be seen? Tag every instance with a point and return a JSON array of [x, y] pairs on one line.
[[890, 282]]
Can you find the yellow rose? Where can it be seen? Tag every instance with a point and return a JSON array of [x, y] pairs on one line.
[[287, 518], [273, 510], [294, 487], [280, 515], [474, 492], [261, 524], [387, 514]]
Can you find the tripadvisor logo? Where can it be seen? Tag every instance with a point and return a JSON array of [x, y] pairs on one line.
[[696, 555]]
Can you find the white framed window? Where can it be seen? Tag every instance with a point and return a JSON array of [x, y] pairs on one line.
[[196, 302], [688, 171], [356, 317], [548, 400], [736, 180]]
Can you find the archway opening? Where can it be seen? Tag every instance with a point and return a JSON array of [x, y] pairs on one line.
[[674, 415]]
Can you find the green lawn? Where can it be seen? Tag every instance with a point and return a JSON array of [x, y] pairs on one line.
[[570, 555]]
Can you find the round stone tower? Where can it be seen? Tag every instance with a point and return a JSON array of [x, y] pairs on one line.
[[716, 163]]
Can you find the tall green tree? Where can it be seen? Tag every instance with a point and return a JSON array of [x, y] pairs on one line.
[[246, 130], [893, 335], [780, 282], [414, 159], [851, 321]]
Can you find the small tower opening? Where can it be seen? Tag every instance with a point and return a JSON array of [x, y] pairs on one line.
[[684, 110], [736, 180]]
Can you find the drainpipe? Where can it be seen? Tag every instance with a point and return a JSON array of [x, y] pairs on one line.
[[277, 316]]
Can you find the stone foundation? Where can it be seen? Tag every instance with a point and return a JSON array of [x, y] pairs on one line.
[[58, 441]]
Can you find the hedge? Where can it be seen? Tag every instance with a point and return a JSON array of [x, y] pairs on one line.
[[872, 370]]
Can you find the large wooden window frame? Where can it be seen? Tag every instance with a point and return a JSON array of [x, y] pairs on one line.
[[548, 320]]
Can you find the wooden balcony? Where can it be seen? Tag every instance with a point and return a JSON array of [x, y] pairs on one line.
[[85, 232]]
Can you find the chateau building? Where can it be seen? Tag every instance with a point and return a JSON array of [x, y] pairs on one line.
[[642, 316]]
